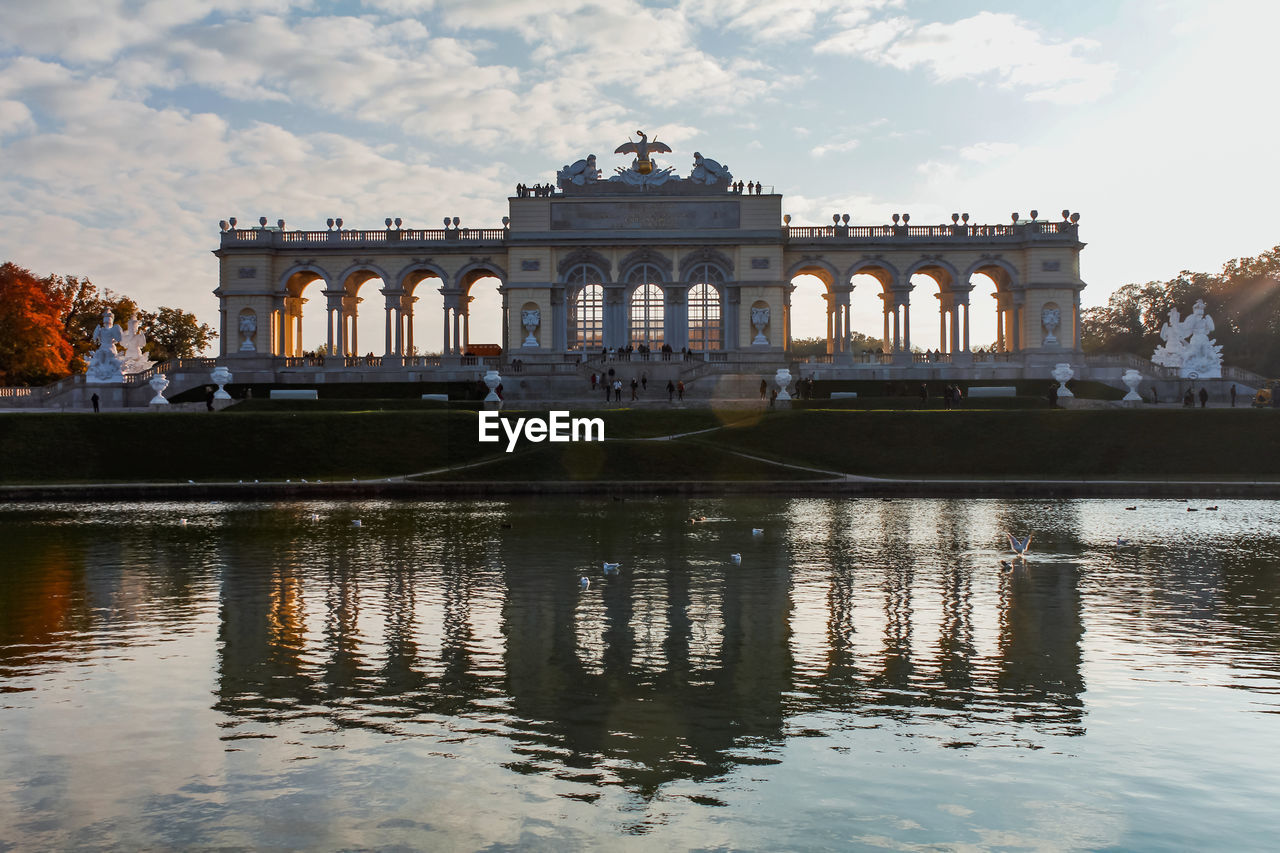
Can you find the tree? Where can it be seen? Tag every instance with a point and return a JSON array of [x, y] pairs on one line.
[[1244, 300], [174, 333], [33, 348]]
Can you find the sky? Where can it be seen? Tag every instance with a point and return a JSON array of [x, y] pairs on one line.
[[129, 128]]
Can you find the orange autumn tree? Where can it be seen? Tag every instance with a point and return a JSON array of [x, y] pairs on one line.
[[33, 345]]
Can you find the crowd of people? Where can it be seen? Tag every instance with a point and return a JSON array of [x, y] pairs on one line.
[[535, 191], [642, 353], [613, 386]]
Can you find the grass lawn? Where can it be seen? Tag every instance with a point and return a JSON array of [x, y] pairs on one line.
[[268, 444]]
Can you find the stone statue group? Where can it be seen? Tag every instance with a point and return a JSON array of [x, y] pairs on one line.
[[118, 351], [1187, 345]]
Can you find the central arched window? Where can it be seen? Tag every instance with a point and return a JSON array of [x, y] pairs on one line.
[[586, 308], [647, 307], [706, 332], [706, 329]]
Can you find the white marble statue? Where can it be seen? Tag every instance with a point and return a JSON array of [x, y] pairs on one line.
[[708, 171], [1062, 373], [1188, 347], [1051, 318], [1169, 353], [105, 365], [760, 319], [580, 173], [1201, 357], [782, 379], [133, 340], [1133, 379], [158, 383], [248, 328], [530, 319]]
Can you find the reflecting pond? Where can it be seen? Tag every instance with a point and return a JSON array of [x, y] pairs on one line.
[[273, 676]]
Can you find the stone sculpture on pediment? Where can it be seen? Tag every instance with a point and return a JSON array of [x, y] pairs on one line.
[[708, 171], [580, 173]]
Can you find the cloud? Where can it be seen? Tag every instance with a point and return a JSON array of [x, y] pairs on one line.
[[986, 152], [14, 118], [1000, 46], [834, 147]]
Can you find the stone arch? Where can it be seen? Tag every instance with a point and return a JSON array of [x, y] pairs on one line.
[[589, 257], [289, 321], [926, 266], [883, 271], [817, 267], [459, 297], [293, 286], [1007, 280], [468, 275], [708, 256], [415, 273], [361, 272], [894, 304], [1003, 332], [645, 256], [952, 299]]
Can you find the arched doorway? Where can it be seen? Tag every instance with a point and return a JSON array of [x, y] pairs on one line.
[[813, 329]]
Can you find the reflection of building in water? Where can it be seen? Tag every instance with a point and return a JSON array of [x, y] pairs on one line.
[[631, 670], [668, 670]]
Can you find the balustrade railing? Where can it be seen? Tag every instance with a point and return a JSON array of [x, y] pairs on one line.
[[276, 237], [928, 232]]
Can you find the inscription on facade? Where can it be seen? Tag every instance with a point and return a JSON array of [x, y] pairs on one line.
[[640, 216], [247, 272], [530, 264], [759, 263], [1050, 266]]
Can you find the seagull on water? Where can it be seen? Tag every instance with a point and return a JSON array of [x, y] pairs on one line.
[[315, 516], [611, 568], [1120, 541], [183, 522], [757, 531], [1019, 546], [356, 523], [584, 582], [737, 558]]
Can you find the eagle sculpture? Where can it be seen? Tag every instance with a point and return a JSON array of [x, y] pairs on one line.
[[642, 150]]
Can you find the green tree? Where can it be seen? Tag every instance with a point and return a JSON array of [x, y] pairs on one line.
[[174, 333]]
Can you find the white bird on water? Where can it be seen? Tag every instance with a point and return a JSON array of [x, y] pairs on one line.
[[611, 568], [584, 582], [183, 522], [315, 516], [737, 558], [356, 523], [757, 531], [1019, 546]]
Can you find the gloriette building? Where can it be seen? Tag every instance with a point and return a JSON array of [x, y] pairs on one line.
[[653, 259]]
